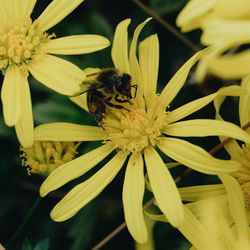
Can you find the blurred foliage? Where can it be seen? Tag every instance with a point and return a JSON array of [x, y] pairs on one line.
[[42, 245], [101, 216], [164, 7]]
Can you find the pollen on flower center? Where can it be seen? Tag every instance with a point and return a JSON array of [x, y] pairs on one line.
[[243, 174], [45, 156], [135, 129], [19, 43]]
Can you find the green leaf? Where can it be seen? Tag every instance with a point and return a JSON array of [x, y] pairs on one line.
[[26, 245], [42, 245], [6, 131], [163, 7], [103, 28], [82, 229], [60, 109]]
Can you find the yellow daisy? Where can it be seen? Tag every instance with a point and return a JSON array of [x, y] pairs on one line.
[[196, 13], [135, 134], [223, 210], [240, 153], [225, 25], [25, 48], [216, 217], [220, 214]]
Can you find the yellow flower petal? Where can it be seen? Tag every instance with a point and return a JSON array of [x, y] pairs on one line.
[[201, 70], [55, 12], [3, 12], [206, 127], [24, 8], [191, 228], [57, 74], [225, 31], [156, 217], [244, 104], [232, 146], [178, 80], [199, 103], [172, 164], [190, 17], [83, 193], [25, 126], [119, 51], [60, 131], [134, 65], [74, 169], [149, 245], [19, 10], [204, 63], [132, 196], [195, 232], [195, 193], [78, 44], [135, 70], [195, 157], [203, 207], [11, 94], [163, 187], [232, 9], [237, 209], [217, 104], [81, 101], [231, 66], [149, 64]]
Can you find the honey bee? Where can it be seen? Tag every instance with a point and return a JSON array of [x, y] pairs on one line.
[[108, 85]]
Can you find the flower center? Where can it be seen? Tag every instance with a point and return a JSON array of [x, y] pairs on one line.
[[135, 129], [243, 174], [19, 43], [45, 156]]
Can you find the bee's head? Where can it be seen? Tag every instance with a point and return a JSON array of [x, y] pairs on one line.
[[123, 85]]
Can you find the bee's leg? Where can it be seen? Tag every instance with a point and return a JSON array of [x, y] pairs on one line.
[[100, 124], [93, 74], [79, 93], [135, 86], [120, 100], [107, 101]]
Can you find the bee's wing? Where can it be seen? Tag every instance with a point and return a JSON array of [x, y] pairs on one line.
[[93, 74], [85, 86], [89, 72]]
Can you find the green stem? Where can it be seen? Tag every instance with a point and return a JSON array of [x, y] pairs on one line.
[[24, 223]]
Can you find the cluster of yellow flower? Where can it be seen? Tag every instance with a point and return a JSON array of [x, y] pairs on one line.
[[225, 26], [218, 216], [141, 129]]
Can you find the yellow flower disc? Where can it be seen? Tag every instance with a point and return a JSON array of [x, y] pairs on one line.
[[19, 43], [45, 156], [136, 128]]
